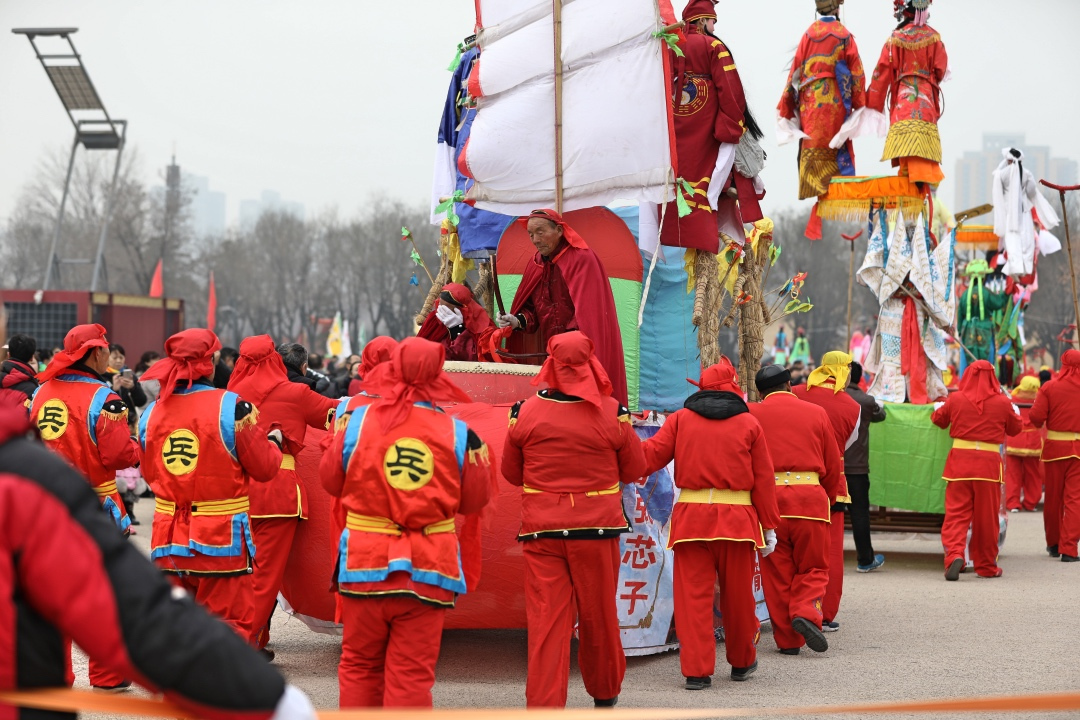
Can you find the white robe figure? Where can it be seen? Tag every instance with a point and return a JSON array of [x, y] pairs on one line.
[[890, 259], [1014, 198]]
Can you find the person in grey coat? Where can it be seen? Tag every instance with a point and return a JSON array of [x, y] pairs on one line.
[[857, 469]]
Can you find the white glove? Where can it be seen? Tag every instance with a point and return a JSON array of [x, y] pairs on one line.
[[1016, 410], [448, 316], [938, 405], [770, 543], [294, 705], [275, 436], [505, 320]]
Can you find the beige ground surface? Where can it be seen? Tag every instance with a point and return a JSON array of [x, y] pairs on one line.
[[906, 634]]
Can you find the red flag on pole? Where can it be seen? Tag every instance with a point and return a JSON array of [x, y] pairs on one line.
[[156, 287], [211, 305]]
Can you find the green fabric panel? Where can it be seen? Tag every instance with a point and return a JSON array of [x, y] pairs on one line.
[[907, 458], [627, 299]]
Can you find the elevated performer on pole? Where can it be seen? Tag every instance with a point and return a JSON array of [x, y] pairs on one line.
[[83, 421], [979, 417], [571, 518], [278, 506], [825, 388], [823, 105], [807, 465], [564, 287], [1021, 214], [403, 470], [459, 323], [1057, 406], [724, 511], [202, 449], [908, 77]]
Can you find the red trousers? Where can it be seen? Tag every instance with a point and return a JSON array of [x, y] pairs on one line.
[[1066, 480], [230, 597], [561, 576], [795, 576], [1023, 475], [273, 541], [1053, 504], [101, 676], [389, 651], [974, 504], [830, 606], [698, 567]]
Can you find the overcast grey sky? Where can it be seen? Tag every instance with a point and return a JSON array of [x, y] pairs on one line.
[[330, 101]]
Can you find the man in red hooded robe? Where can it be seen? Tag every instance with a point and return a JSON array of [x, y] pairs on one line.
[[710, 111], [403, 469], [723, 512], [979, 416], [278, 506], [202, 448], [564, 288], [1057, 406], [459, 323], [80, 418], [571, 519]]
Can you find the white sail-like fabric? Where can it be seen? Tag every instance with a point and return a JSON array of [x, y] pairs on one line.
[[617, 141]]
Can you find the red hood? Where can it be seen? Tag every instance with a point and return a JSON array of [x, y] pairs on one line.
[[13, 420]]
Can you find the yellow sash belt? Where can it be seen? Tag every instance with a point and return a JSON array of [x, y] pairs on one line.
[[613, 490], [715, 496], [386, 526], [797, 477], [288, 462], [105, 489], [1062, 436], [982, 445], [232, 506]]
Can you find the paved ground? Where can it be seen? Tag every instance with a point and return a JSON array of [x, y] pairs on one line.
[[905, 634]]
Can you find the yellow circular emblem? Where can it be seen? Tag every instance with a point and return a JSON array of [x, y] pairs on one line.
[[408, 464], [180, 453], [52, 419]]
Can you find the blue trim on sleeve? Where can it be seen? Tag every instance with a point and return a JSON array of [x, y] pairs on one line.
[[94, 413], [352, 435], [72, 377], [144, 422], [241, 536], [227, 422], [122, 521], [461, 442]]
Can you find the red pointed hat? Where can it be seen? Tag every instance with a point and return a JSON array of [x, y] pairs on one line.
[[568, 232], [980, 383], [189, 356], [572, 368], [722, 376], [79, 340], [1070, 367], [259, 369], [377, 351], [413, 374], [697, 9]]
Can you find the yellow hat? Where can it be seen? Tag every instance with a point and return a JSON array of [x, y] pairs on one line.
[[835, 365], [1029, 385]]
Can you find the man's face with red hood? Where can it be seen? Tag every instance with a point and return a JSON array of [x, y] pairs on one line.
[[545, 235]]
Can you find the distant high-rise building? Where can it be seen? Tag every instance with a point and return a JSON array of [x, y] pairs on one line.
[[269, 201], [207, 206], [975, 169]]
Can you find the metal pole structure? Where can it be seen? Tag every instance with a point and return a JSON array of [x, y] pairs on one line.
[[850, 284], [53, 265], [109, 205], [1062, 189], [556, 16]]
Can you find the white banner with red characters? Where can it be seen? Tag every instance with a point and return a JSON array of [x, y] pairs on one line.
[[646, 605]]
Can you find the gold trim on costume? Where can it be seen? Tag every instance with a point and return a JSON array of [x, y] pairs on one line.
[[1059, 436], [982, 445], [913, 138], [715, 496], [386, 526], [105, 489], [797, 477]]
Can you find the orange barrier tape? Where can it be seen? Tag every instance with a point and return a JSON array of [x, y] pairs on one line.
[[67, 700]]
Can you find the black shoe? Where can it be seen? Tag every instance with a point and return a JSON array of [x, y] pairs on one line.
[[606, 703], [698, 683], [122, 687], [955, 568], [147, 493], [268, 654], [744, 673], [789, 651], [815, 639], [1070, 558], [1053, 550], [134, 521]]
